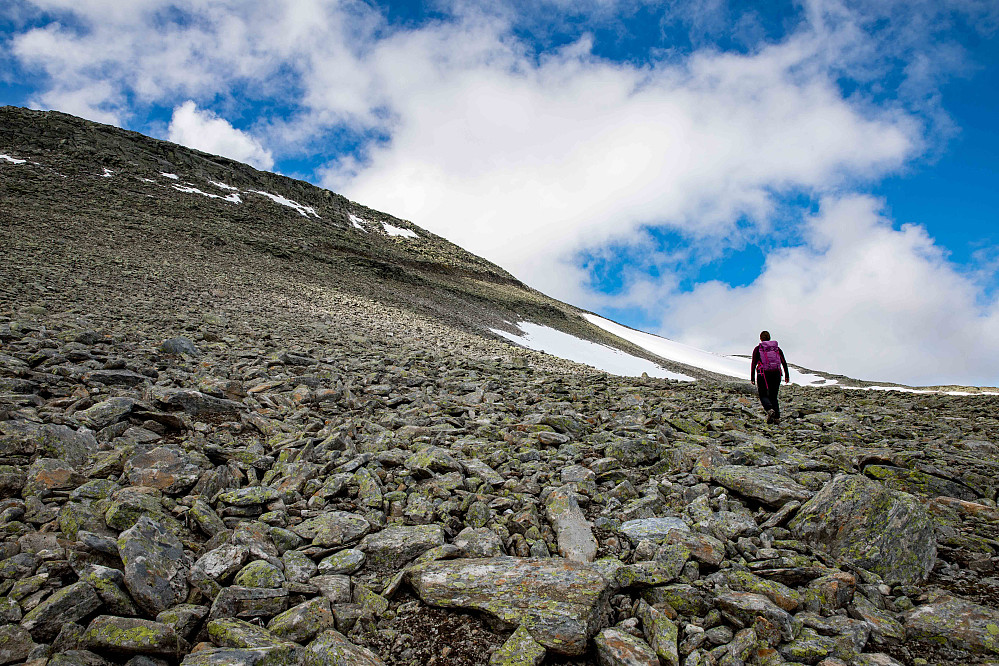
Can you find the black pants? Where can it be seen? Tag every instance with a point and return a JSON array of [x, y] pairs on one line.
[[768, 385]]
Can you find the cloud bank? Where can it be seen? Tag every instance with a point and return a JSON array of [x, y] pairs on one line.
[[485, 124]]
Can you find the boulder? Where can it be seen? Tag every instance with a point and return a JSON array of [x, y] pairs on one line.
[[155, 570], [575, 536], [561, 603], [960, 623], [765, 485], [869, 526]]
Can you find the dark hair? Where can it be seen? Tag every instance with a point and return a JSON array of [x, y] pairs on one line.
[[765, 335]]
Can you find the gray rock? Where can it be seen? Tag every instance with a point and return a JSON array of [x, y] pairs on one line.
[[105, 413], [194, 402], [180, 345], [248, 602], [394, 547], [618, 648], [766, 485], [575, 536], [129, 635], [743, 608], [346, 561], [653, 529], [68, 604], [331, 648], [333, 529], [303, 622], [866, 525], [519, 650], [155, 570], [481, 542], [167, 468], [561, 603], [217, 566], [15, 644], [962, 624]]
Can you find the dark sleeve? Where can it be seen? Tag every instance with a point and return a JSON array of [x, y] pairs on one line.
[[756, 362], [787, 374]]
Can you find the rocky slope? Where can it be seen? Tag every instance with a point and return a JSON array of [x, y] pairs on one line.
[[211, 453]]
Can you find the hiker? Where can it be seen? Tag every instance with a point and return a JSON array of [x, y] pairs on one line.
[[765, 372]]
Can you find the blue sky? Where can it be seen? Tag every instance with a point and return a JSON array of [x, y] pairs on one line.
[[823, 168]]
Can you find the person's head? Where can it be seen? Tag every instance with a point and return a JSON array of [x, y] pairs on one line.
[[764, 336]]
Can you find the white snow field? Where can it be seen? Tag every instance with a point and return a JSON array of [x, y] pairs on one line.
[[232, 198], [392, 230], [733, 366], [13, 160], [171, 176], [356, 221], [304, 211], [610, 360]]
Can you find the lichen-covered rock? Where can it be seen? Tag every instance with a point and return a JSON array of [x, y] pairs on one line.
[[764, 485], [68, 604], [866, 525], [331, 648], [661, 633], [130, 635], [167, 468], [396, 546], [15, 644], [216, 566], [743, 608], [301, 623], [249, 602], [743, 581], [960, 623], [232, 633], [519, 650], [333, 529], [653, 529], [155, 565], [575, 536], [346, 561], [618, 648], [561, 603], [259, 573]]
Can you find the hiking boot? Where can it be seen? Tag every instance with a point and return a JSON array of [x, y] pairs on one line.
[[771, 416], [776, 419]]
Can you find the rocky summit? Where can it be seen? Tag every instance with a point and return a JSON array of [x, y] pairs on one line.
[[229, 434]]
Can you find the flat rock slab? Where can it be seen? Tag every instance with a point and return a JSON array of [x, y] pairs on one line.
[[331, 648], [654, 529], [575, 536], [761, 484], [394, 547], [69, 604], [561, 603], [862, 523], [961, 623]]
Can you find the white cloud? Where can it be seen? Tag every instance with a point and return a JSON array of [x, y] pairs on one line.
[[205, 131], [859, 298]]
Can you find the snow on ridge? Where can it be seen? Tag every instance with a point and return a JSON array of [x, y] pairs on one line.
[[356, 221], [223, 186], [232, 198], [610, 360], [13, 160], [171, 176], [393, 230], [698, 358], [303, 210], [108, 173]]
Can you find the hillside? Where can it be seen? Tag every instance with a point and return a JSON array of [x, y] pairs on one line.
[[267, 425]]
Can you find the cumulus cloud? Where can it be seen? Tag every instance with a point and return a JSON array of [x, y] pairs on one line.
[[205, 131], [860, 298]]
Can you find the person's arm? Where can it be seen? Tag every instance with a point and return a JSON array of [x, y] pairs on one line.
[[787, 374], [752, 366]]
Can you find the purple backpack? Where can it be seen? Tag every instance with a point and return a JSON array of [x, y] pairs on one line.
[[769, 356]]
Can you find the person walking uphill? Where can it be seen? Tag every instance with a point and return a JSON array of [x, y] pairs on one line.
[[765, 372]]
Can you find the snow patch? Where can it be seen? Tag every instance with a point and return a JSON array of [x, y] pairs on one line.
[[108, 173], [12, 160], [304, 211], [223, 186], [147, 180], [905, 389], [171, 176], [610, 360], [356, 221], [731, 366], [399, 231], [232, 198]]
